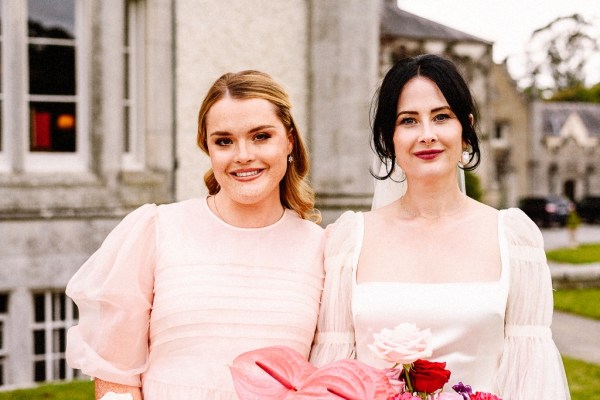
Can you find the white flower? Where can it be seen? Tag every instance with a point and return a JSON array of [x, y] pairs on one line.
[[402, 345]]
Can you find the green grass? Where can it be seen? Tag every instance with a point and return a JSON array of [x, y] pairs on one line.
[[583, 378], [584, 302], [78, 390], [582, 254]]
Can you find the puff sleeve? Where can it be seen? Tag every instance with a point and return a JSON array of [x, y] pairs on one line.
[[114, 292], [531, 366], [334, 339]]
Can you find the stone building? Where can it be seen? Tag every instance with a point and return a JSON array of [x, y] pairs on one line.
[[99, 105], [564, 149]]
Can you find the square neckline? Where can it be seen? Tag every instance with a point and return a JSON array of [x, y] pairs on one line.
[[504, 259]]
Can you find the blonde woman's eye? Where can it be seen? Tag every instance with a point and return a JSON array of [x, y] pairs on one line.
[[223, 141], [262, 136]]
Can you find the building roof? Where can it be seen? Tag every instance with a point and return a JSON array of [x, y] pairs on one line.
[[400, 23], [555, 114]]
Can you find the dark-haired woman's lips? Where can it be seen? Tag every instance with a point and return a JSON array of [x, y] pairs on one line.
[[428, 154]]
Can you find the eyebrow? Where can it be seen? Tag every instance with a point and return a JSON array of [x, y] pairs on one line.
[[253, 130], [433, 111]]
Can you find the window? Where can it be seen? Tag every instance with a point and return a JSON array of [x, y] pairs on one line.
[[3, 351], [54, 313], [133, 45], [44, 91]]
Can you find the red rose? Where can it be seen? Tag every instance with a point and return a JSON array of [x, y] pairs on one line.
[[427, 376]]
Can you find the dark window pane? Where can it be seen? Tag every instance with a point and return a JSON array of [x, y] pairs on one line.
[[1, 371], [40, 313], [60, 369], [75, 312], [39, 371], [39, 342], [126, 127], [58, 340], [58, 307], [52, 127], [3, 303], [51, 69], [51, 18], [1, 335]]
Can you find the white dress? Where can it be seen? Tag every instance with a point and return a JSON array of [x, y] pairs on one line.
[[494, 336], [175, 294]]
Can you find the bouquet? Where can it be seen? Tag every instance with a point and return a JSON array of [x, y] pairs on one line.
[[278, 373]]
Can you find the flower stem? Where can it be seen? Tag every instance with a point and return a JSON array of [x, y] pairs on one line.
[[407, 377]]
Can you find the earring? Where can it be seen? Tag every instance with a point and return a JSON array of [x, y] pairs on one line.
[[466, 157], [290, 159]]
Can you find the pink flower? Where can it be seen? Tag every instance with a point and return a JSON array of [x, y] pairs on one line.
[[483, 396], [449, 396], [404, 396], [403, 345], [393, 375]]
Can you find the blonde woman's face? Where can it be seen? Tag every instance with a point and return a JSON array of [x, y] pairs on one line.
[[248, 148]]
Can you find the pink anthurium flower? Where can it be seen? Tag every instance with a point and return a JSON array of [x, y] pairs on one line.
[[278, 373]]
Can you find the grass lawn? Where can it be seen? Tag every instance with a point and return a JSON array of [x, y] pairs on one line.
[[584, 302], [582, 254], [583, 378], [79, 390]]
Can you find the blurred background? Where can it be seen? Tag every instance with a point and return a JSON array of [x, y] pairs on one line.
[[99, 101]]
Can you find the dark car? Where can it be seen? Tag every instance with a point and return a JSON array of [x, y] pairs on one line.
[[547, 211], [588, 209]]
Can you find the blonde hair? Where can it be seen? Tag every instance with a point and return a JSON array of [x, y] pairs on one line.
[[295, 191]]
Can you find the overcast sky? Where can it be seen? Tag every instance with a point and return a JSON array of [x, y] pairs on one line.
[[507, 23]]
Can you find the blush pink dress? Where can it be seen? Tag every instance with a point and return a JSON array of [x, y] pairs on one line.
[[174, 294]]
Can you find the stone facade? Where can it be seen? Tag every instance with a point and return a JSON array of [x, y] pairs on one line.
[[329, 55], [564, 156]]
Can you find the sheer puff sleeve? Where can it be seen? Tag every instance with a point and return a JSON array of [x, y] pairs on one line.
[[531, 366], [114, 291], [334, 339]]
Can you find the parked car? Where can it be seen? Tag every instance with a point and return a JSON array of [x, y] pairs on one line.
[[588, 209], [547, 211]]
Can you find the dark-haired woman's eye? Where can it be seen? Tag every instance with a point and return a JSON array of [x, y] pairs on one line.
[[407, 121], [441, 117]]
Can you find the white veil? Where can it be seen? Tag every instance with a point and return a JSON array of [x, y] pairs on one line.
[[391, 189]]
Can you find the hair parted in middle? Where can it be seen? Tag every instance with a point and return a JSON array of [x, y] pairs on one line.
[[294, 189], [454, 88]]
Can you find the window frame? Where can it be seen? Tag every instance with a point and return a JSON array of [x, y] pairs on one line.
[[77, 161], [3, 342], [48, 326], [134, 128]]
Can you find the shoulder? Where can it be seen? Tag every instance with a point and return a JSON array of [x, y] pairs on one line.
[[302, 227], [520, 229], [340, 235]]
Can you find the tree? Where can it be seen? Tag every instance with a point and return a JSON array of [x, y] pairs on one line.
[[582, 94], [558, 54]]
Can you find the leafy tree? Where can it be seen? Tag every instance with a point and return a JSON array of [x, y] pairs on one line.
[[473, 186], [579, 93], [558, 55]]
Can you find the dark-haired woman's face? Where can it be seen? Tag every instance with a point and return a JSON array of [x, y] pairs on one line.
[[428, 135]]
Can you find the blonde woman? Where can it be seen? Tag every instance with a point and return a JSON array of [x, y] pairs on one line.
[[177, 291]]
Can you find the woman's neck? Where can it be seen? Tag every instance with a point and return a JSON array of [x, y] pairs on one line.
[[255, 215], [432, 202]]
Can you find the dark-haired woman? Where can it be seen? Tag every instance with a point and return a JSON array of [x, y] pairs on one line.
[[477, 277]]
